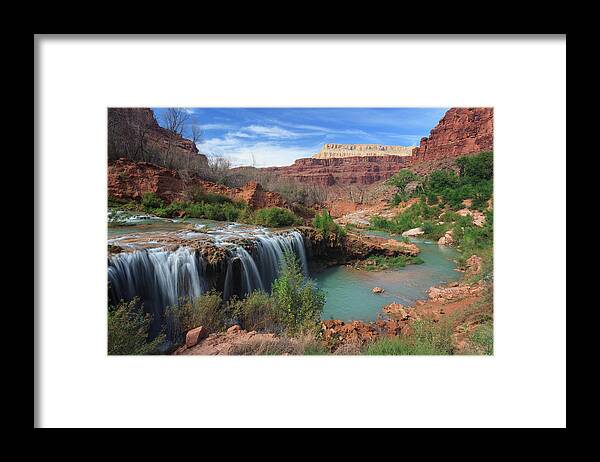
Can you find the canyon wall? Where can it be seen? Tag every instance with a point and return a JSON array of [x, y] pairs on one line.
[[460, 132], [345, 171], [135, 134], [130, 180], [331, 150]]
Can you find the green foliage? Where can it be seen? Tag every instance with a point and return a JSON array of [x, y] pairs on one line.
[[324, 223], [151, 201], [428, 338], [274, 217], [482, 338], [413, 217], [380, 262], [199, 195], [474, 169], [474, 181], [258, 311], [128, 328], [205, 310], [299, 301]]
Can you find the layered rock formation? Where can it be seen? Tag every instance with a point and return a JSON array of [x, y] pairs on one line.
[[331, 150], [345, 171], [460, 132], [130, 180], [134, 133]]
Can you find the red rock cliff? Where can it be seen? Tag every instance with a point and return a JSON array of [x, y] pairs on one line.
[[128, 179], [134, 133], [461, 131], [364, 170]]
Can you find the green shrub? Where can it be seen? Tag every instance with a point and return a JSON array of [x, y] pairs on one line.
[[258, 311], [324, 223], [128, 328], [482, 339], [428, 338], [197, 194], [205, 310], [380, 262], [275, 217], [151, 201], [299, 301]]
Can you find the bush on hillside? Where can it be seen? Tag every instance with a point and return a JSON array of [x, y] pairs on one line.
[[274, 217], [128, 328], [324, 223], [205, 310], [151, 201], [299, 301]]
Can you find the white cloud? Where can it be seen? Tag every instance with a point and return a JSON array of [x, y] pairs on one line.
[[265, 153], [271, 132], [215, 126]]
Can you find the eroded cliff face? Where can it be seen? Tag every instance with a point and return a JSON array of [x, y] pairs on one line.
[[134, 133], [130, 180], [331, 150], [342, 171], [460, 132]]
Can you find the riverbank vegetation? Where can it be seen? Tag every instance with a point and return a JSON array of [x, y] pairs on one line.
[[209, 206], [382, 262]]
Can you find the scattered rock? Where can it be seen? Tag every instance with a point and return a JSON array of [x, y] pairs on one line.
[[413, 232], [378, 290], [193, 336], [233, 329], [446, 294], [474, 264], [396, 310], [446, 239]]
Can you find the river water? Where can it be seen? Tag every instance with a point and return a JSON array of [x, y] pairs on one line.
[[349, 291], [163, 276]]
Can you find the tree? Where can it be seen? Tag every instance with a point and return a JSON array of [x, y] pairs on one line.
[[175, 119]]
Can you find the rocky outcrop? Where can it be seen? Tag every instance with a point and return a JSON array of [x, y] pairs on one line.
[[461, 131], [477, 217], [345, 171], [256, 197], [130, 180], [453, 292], [446, 239], [342, 337], [331, 150], [134, 133], [354, 246]]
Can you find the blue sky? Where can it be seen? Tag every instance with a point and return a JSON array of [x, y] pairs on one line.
[[278, 136]]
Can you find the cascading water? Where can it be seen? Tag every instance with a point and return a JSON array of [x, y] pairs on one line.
[[161, 278]]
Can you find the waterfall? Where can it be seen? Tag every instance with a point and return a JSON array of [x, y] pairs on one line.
[[161, 278]]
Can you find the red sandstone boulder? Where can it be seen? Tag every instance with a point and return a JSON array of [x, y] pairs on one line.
[[194, 336]]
